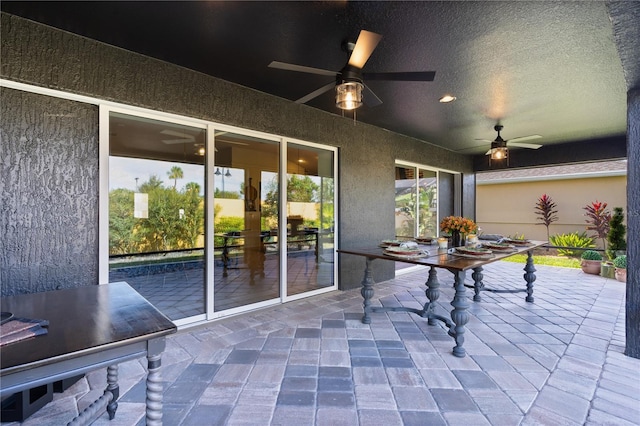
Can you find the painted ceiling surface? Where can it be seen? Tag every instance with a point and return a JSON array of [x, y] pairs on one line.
[[556, 69]]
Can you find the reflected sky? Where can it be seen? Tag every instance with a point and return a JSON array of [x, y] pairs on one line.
[[124, 171]]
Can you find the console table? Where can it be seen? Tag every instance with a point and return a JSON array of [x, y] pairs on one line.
[[444, 259], [90, 327]]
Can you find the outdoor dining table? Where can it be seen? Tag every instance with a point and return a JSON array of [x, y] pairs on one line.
[[456, 264], [90, 327]]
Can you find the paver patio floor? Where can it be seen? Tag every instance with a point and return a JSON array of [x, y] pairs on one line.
[[557, 361]]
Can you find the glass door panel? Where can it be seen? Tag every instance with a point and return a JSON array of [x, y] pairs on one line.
[[245, 214], [156, 211], [427, 208], [310, 218], [405, 202]]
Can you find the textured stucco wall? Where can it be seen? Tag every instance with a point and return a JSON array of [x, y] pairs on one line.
[[49, 197], [39, 55]]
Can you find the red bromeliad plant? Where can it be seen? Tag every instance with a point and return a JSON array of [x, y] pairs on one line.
[[545, 207], [598, 218]]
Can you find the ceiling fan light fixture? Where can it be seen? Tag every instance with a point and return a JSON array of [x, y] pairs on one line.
[[499, 153], [349, 95]]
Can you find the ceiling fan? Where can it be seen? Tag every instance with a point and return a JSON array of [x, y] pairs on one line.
[[349, 81], [499, 147]]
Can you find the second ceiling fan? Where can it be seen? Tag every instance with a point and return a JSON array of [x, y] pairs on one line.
[[499, 147], [349, 81]]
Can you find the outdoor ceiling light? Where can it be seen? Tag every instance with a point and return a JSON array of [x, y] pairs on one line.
[[447, 98], [499, 153], [349, 95]]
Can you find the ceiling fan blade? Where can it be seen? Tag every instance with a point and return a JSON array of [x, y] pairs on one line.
[[524, 145], [400, 76], [488, 152], [366, 43], [300, 68], [177, 141], [369, 98], [316, 93], [525, 138], [176, 133], [484, 140]]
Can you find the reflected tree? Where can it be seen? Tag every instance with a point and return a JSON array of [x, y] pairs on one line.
[[175, 173]]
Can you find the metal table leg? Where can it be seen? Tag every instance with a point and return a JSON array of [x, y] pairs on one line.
[[459, 314], [367, 291], [478, 285], [154, 382], [529, 276]]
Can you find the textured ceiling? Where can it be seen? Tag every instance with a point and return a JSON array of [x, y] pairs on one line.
[[548, 68]]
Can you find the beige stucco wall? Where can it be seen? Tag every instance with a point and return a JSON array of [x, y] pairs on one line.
[[508, 208], [235, 208]]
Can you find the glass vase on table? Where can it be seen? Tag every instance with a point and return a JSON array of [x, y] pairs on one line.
[[456, 239]]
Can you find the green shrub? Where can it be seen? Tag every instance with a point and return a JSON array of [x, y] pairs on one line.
[[615, 237], [226, 224], [591, 255], [620, 262], [576, 239]]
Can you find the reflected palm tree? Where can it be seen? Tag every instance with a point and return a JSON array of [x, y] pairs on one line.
[[175, 173]]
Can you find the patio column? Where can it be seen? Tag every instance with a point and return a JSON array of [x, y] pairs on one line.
[[633, 225]]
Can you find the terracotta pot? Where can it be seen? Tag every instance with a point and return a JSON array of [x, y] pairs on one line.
[[621, 275], [591, 266]]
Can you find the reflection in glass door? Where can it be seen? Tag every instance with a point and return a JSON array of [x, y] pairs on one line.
[[310, 218], [416, 212], [156, 212], [427, 203], [167, 175], [416, 202], [246, 254]]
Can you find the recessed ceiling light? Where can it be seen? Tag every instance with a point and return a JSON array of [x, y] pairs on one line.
[[447, 98]]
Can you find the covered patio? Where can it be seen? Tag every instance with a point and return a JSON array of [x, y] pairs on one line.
[[558, 360], [570, 357]]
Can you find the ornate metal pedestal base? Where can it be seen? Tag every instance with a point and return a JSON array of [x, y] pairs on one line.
[[458, 315], [529, 277]]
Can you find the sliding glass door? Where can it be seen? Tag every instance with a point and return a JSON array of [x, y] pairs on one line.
[[246, 206], [416, 202], [156, 211], [310, 218], [204, 222]]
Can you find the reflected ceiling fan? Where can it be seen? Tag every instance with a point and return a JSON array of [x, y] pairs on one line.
[[499, 147], [349, 81]]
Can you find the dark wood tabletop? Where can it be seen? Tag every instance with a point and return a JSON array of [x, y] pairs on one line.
[[441, 257], [82, 320]]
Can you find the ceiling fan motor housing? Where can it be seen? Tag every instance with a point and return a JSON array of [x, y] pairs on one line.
[[349, 73]]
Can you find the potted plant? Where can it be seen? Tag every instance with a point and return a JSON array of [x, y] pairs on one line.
[[620, 264], [591, 262]]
